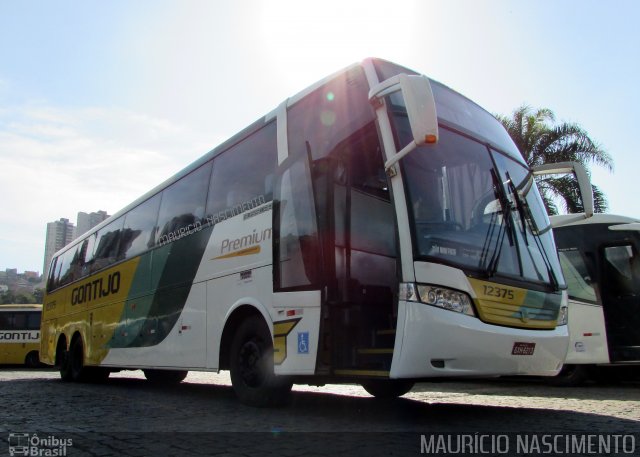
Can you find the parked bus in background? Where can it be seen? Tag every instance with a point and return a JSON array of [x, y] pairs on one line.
[[377, 227], [600, 258], [20, 334]]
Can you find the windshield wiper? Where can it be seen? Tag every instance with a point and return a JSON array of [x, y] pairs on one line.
[[527, 220], [519, 206], [506, 225]]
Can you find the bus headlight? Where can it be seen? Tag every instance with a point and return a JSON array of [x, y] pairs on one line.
[[563, 315], [441, 297]]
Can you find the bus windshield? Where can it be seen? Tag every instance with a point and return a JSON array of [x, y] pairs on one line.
[[476, 208]]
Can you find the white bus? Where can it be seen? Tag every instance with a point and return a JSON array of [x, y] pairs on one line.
[[20, 334], [600, 257], [377, 227]]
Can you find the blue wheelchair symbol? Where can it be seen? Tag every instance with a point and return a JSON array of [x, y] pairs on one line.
[[303, 342]]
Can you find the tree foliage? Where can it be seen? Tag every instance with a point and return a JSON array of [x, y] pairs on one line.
[[542, 140]]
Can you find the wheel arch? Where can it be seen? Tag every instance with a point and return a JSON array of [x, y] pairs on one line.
[[236, 315]]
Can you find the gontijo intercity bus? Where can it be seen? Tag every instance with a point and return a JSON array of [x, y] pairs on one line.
[[377, 227], [20, 334]]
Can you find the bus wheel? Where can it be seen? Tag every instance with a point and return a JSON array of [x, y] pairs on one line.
[[63, 359], [251, 363], [32, 360], [570, 376], [165, 377], [77, 370], [387, 388]]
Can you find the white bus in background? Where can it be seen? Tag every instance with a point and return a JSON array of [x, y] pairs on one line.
[[367, 230], [600, 258]]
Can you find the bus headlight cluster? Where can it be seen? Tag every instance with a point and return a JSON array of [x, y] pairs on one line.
[[563, 315], [441, 297]]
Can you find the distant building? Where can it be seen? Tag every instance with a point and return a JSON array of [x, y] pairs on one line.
[[12, 274], [59, 234], [87, 221], [31, 275]]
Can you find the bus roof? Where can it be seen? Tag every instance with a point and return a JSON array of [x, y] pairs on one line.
[[565, 220], [21, 307]]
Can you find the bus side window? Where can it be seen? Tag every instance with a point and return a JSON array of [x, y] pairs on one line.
[[139, 233], [242, 177], [66, 274], [182, 207], [19, 321], [298, 246], [33, 321], [5, 321], [107, 245], [53, 270]]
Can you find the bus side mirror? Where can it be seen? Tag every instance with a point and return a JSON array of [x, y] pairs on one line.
[[421, 108], [584, 183], [417, 96]]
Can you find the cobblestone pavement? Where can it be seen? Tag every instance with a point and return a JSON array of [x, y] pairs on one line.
[[128, 416]]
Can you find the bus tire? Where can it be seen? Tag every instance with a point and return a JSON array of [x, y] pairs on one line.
[[165, 377], [387, 388], [570, 376], [251, 363], [64, 362], [77, 371], [32, 360]]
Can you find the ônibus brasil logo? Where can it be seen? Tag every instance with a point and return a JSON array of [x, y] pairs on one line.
[[30, 444]]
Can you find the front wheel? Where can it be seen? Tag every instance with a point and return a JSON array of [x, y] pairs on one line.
[[387, 388], [570, 376], [251, 360]]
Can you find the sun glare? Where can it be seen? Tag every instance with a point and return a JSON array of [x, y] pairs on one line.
[[307, 40]]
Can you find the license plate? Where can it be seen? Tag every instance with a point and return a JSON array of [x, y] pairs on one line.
[[523, 348]]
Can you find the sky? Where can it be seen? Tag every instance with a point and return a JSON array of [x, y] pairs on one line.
[[101, 101]]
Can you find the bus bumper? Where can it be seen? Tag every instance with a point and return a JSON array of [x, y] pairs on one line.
[[433, 342]]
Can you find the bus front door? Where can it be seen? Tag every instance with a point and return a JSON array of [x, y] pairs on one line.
[[620, 289]]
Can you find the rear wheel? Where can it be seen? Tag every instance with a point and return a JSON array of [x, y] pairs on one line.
[[64, 362], [165, 377], [251, 360], [387, 388], [77, 371]]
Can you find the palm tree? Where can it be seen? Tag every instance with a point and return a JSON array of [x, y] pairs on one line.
[[541, 140]]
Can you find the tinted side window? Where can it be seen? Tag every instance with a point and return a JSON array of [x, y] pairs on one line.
[[243, 175], [6, 321], [183, 204], [67, 271], [107, 244], [325, 118], [19, 321], [53, 273], [33, 321], [139, 233]]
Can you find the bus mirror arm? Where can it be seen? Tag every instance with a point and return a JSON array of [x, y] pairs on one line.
[[389, 164], [584, 183], [420, 106]]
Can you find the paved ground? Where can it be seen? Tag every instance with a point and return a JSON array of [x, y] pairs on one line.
[[128, 416]]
